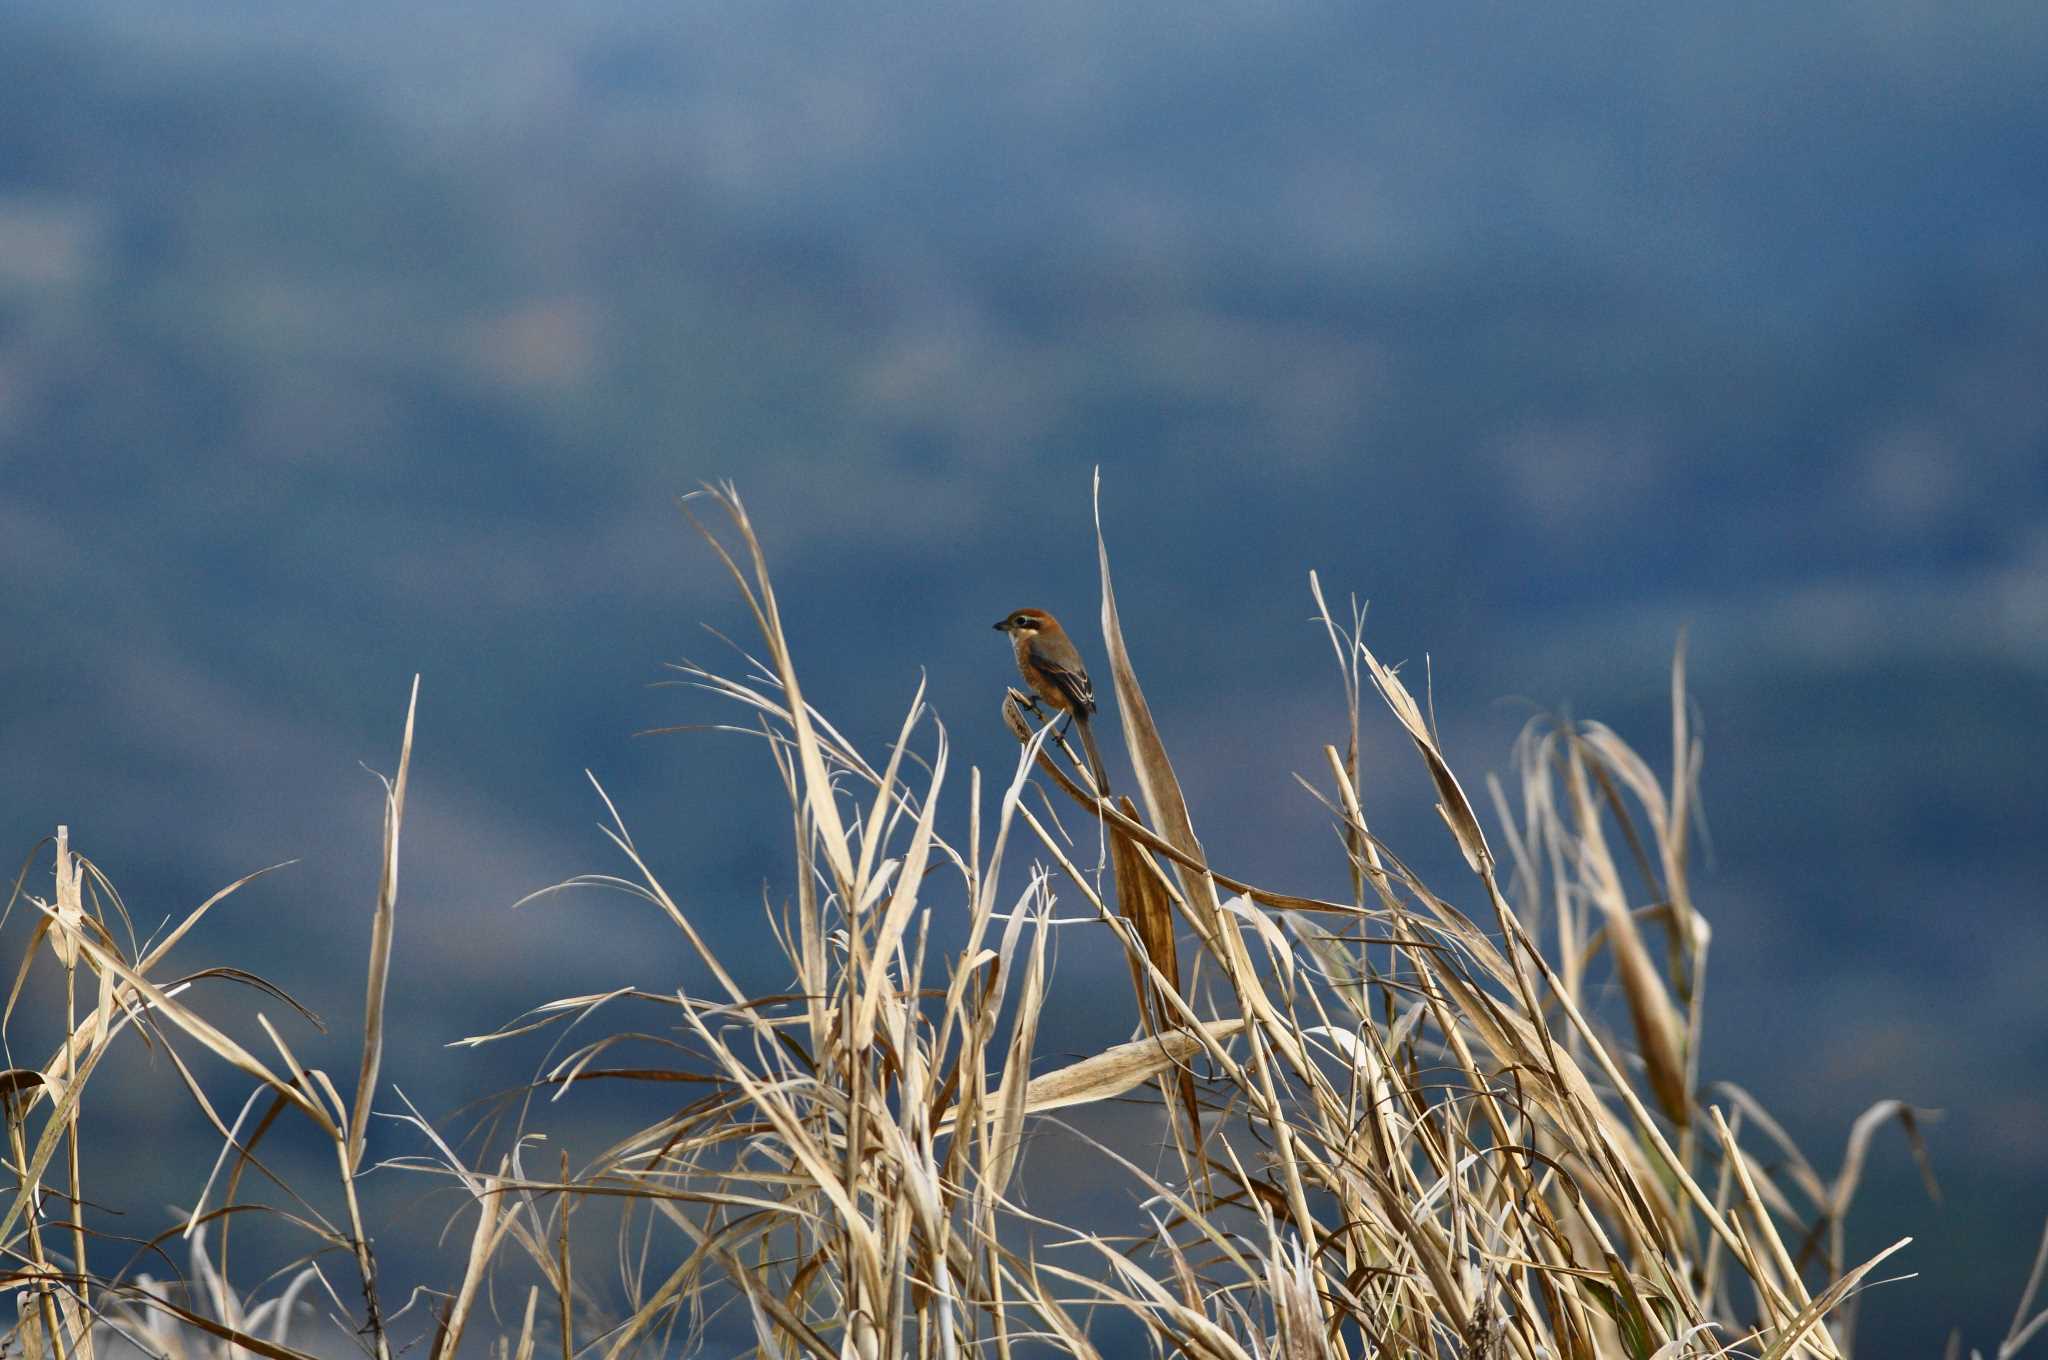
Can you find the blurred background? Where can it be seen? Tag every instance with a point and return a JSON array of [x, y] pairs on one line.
[[339, 344]]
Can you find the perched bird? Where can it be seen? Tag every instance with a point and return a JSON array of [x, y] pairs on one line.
[[1051, 665]]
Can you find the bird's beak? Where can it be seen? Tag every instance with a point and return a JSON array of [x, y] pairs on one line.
[[1003, 626]]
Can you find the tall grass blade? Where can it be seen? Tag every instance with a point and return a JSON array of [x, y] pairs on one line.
[[381, 927]]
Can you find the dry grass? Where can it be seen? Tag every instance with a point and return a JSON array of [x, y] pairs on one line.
[[1396, 1125]]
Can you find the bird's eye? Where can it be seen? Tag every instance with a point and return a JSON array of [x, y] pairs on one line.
[[1021, 621]]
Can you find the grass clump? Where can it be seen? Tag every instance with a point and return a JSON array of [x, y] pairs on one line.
[[1400, 1124]]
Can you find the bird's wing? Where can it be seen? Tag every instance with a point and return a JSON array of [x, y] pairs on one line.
[[1071, 679]]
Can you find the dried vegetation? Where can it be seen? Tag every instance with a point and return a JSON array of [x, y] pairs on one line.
[[1410, 1123]]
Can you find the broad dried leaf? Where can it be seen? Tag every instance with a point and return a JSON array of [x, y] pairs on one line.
[[1156, 780], [1115, 1070], [382, 925], [1659, 1027], [1452, 804]]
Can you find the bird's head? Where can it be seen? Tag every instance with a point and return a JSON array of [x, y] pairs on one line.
[[1025, 622]]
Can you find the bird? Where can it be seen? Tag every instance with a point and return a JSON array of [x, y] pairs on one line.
[[1051, 665]]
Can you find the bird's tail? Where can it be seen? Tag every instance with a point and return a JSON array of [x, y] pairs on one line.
[[1095, 766]]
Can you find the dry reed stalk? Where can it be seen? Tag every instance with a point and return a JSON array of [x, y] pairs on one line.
[[1381, 1128]]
